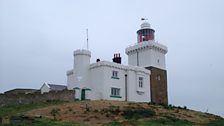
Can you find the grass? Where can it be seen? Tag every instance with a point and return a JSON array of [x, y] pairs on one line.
[[138, 113], [45, 122], [13, 110], [134, 115], [216, 123], [165, 122], [158, 122]]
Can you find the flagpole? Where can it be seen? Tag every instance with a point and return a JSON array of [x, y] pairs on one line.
[[87, 39]]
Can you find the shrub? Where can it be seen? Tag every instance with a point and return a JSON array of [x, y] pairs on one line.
[[87, 109], [70, 109], [95, 110], [114, 110], [171, 118], [137, 113], [54, 112]]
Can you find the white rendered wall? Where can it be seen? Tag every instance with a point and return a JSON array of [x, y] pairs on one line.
[[96, 83], [101, 83], [70, 80], [147, 53], [132, 59], [133, 89], [81, 68], [44, 89], [114, 83], [152, 57]]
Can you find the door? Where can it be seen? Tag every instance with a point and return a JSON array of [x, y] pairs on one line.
[[83, 94]]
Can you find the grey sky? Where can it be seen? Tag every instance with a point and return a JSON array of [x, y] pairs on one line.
[[38, 37]]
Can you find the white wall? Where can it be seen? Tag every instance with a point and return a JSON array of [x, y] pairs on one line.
[[80, 74], [150, 57], [114, 83], [44, 88], [149, 52], [101, 83], [133, 88], [98, 78], [132, 59], [96, 83], [81, 68], [70, 80]]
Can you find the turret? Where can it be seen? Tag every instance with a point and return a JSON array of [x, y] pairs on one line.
[[81, 68]]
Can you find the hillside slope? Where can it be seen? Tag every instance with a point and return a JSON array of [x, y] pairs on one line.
[[98, 112]]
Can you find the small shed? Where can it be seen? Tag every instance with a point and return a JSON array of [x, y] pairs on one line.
[[52, 87]]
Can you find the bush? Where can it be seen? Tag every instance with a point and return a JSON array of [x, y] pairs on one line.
[[172, 118], [54, 112], [115, 110], [137, 113], [87, 109]]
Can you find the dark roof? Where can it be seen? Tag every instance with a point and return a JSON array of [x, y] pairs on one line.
[[21, 90], [56, 87]]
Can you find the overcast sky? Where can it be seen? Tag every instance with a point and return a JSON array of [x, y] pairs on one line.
[[38, 37]]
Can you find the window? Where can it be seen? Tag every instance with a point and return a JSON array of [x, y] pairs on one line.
[[157, 60], [158, 77], [115, 91], [140, 82], [115, 75]]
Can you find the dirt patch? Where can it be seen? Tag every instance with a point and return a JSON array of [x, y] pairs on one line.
[[94, 112]]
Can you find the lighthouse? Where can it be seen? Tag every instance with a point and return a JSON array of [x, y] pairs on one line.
[[144, 79], [150, 54]]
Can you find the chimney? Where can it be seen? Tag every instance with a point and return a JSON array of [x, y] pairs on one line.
[[117, 58], [98, 60]]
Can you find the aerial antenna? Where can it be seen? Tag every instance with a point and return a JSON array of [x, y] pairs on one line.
[[87, 39]]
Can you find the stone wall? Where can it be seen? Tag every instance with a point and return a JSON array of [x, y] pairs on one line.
[[158, 84], [14, 99]]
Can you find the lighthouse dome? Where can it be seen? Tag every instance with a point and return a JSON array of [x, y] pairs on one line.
[[145, 25]]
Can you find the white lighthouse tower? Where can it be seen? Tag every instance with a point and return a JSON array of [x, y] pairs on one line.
[[150, 54]]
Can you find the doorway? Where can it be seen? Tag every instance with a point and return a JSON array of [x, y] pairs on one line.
[[83, 94]]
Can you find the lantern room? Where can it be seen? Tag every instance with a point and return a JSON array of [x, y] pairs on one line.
[[145, 33]]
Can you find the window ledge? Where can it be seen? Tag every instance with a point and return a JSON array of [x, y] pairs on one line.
[[140, 92], [115, 77], [112, 96]]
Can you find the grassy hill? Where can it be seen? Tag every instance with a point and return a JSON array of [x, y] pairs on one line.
[[106, 113]]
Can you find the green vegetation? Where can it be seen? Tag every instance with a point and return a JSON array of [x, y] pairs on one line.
[[129, 112], [216, 123], [45, 122], [158, 122], [133, 115], [165, 122], [13, 110], [54, 112], [113, 124], [137, 113]]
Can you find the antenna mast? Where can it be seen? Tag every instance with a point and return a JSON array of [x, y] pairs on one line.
[[87, 39]]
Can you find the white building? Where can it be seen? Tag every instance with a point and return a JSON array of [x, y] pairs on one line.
[[51, 87], [114, 81]]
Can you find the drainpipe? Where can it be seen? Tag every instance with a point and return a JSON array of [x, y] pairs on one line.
[[126, 87]]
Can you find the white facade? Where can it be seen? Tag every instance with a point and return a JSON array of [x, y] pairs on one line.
[[45, 88], [99, 82], [80, 73], [102, 82], [147, 53]]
